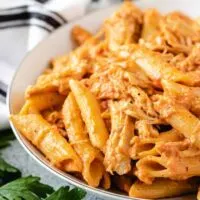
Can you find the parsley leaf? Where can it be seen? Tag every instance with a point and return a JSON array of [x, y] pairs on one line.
[[76, 194], [8, 172], [65, 194], [61, 193], [28, 188], [6, 137]]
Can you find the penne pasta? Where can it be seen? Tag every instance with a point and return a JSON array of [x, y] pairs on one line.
[[198, 194], [178, 160], [161, 188], [106, 182], [198, 20], [167, 166], [91, 114], [80, 35], [124, 26], [48, 141], [151, 24], [156, 68], [145, 129], [180, 118], [142, 147], [189, 97], [123, 183], [91, 157], [28, 109], [177, 27], [44, 83], [40, 102]]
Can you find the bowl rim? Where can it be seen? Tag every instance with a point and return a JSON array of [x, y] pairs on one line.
[[64, 176]]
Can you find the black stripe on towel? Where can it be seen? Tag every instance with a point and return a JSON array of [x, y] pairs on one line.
[[39, 9], [3, 86], [2, 93], [30, 15], [14, 8], [42, 1], [58, 15], [3, 89], [24, 25]]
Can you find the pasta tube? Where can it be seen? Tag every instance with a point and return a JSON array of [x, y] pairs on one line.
[[40, 102], [145, 129], [80, 35], [175, 167], [142, 147], [91, 157], [122, 182], [187, 96], [156, 68], [91, 114], [54, 146], [58, 81], [198, 194], [123, 27], [106, 182], [151, 24], [161, 188], [198, 20], [44, 83], [180, 118]]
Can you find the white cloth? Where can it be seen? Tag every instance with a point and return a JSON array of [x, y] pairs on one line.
[[23, 23]]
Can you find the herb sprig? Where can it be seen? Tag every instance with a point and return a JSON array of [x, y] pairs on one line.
[[30, 187]]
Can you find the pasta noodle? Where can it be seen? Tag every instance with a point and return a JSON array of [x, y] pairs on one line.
[[162, 188], [145, 129], [171, 164], [49, 141], [187, 96], [121, 111], [150, 24], [106, 182], [91, 114], [122, 182], [181, 119], [142, 147], [40, 102], [124, 26], [80, 35], [156, 68], [92, 159]]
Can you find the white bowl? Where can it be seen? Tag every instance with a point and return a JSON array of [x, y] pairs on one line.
[[58, 43]]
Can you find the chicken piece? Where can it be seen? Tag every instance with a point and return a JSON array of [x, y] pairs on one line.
[[117, 158], [124, 26]]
